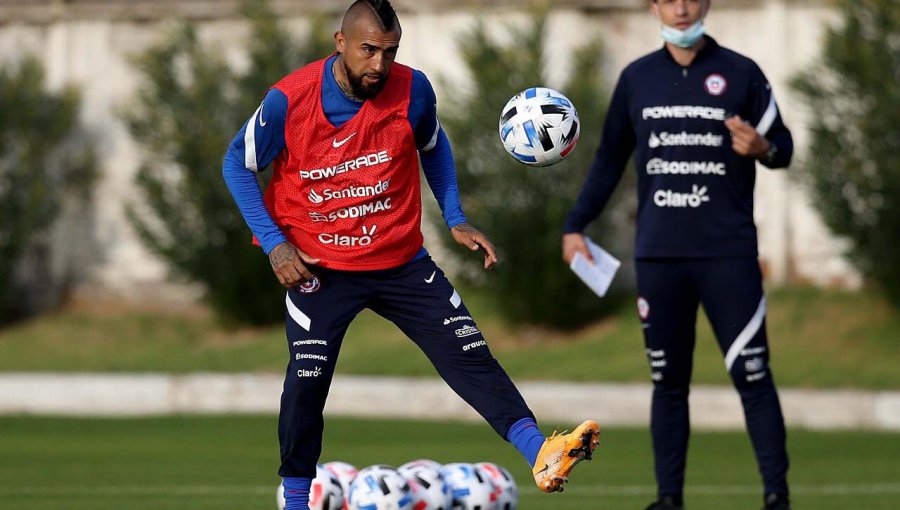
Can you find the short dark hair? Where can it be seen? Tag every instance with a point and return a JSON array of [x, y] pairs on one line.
[[385, 12]]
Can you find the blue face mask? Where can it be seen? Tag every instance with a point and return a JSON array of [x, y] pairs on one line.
[[684, 38]]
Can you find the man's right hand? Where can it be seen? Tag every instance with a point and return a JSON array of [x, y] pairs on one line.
[[288, 264], [574, 243]]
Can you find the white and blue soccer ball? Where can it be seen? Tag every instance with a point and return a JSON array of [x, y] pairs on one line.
[[471, 488], [429, 490], [379, 487], [539, 126], [325, 493], [415, 464], [344, 472], [504, 485]]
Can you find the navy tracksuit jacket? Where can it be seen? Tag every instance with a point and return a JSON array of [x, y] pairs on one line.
[[696, 239]]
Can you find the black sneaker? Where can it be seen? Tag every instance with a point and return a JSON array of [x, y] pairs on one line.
[[777, 502], [664, 504]]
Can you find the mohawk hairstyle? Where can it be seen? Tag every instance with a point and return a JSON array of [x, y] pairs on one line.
[[385, 12]]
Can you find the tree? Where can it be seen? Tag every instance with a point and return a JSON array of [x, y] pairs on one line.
[[41, 162], [191, 105], [853, 164], [522, 209]]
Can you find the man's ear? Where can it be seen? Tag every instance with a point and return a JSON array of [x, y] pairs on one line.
[[654, 8], [706, 9], [339, 42]]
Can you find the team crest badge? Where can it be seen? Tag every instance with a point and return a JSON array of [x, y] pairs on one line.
[[310, 286], [715, 85], [643, 308]]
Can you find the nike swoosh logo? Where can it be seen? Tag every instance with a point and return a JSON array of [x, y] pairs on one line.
[[430, 278], [546, 467], [261, 122], [335, 143]]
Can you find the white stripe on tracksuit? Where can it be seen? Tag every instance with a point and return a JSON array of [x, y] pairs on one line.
[[746, 335], [299, 317]]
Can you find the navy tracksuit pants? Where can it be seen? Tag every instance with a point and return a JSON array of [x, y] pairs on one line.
[[730, 290], [419, 299]]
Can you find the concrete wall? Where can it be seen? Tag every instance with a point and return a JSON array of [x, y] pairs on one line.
[[89, 43]]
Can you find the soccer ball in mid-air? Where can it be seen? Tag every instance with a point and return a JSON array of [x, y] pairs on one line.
[[539, 126], [471, 488], [379, 487], [325, 493], [504, 485], [429, 490]]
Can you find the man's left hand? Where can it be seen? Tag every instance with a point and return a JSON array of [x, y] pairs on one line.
[[745, 140], [470, 237]]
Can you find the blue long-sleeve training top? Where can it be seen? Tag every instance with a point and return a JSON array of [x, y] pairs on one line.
[[242, 160], [695, 194]]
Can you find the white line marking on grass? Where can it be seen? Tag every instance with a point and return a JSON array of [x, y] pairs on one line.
[[524, 490], [733, 490], [155, 490]]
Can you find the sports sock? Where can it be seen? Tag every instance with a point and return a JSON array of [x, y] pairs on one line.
[[296, 493], [527, 438]]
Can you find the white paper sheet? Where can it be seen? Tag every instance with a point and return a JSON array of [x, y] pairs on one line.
[[598, 275]]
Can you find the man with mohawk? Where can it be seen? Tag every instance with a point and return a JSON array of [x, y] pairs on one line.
[[341, 224]]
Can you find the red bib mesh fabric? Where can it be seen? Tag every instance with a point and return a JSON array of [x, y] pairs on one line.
[[349, 196]]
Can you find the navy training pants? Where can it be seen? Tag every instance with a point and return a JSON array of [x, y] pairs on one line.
[[730, 290], [419, 299]]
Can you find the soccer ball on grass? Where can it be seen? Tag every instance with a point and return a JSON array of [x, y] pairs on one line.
[[504, 485], [379, 487], [472, 489], [429, 490]]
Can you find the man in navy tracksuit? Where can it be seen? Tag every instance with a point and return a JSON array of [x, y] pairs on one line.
[[697, 117]]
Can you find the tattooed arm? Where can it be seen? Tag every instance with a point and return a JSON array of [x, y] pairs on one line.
[[289, 264]]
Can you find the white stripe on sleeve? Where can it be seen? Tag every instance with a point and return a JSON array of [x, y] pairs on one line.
[[433, 141], [768, 118], [250, 143]]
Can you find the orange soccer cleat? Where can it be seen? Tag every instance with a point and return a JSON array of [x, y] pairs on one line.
[[561, 452]]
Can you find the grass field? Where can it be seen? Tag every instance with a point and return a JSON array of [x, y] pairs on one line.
[[819, 338], [228, 463]]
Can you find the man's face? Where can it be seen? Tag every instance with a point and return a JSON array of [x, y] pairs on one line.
[[367, 55], [679, 14]]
